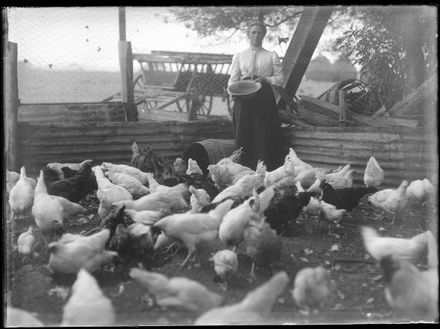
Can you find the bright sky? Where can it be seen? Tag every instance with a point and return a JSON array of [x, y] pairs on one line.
[[87, 37]]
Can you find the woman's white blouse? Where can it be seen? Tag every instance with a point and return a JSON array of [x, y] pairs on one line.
[[257, 62]]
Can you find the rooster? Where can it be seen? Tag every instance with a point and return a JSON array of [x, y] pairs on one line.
[[255, 308], [88, 306]]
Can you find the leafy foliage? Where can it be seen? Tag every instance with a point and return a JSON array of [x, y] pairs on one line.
[[381, 44]]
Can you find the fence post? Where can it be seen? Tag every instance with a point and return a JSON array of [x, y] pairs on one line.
[[342, 107], [126, 65], [10, 103]]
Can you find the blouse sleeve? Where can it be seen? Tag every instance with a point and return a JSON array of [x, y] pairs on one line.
[[235, 70], [277, 78]]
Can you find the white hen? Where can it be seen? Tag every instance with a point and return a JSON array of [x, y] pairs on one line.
[[419, 191], [21, 196], [72, 252], [237, 219], [403, 249], [16, 317], [374, 174], [47, 210], [199, 199], [170, 200], [225, 265], [193, 168], [312, 288], [255, 308], [393, 201], [131, 184], [284, 171], [87, 306], [129, 170], [154, 185], [244, 186], [178, 292], [192, 229], [108, 193]]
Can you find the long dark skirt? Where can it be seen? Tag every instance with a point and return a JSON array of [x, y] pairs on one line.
[[257, 129]]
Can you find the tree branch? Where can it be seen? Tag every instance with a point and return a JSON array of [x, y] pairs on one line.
[[285, 19]]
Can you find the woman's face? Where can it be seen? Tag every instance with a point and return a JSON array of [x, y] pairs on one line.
[[256, 35]]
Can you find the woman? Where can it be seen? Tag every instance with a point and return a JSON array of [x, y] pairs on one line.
[[255, 120]]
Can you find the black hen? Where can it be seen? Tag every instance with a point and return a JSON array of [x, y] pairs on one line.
[[50, 175], [285, 208], [114, 218], [345, 198], [200, 181], [73, 188]]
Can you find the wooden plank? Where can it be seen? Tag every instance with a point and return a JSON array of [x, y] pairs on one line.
[[302, 45], [10, 103], [409, 104], [126, 66], [333, 111]]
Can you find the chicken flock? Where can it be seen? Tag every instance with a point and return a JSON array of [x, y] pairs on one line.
[[141, 217]]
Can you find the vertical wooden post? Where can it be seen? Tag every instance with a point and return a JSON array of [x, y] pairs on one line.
[[122, 25], [10, 103], [302, 46], [126, 65], [342, 107]]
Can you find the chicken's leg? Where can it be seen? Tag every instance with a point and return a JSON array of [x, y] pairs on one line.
[[191, 252], [252, 276]]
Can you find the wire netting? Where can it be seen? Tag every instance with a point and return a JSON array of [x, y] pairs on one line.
[[70, 54]]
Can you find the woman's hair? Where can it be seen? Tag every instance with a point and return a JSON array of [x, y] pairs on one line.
[[256, 23]]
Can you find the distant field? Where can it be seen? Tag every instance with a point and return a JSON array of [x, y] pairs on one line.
[[62, 86]]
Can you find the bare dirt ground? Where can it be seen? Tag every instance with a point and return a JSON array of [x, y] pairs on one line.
[[359, 297]]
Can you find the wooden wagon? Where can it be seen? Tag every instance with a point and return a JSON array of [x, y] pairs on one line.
[[188, 80]]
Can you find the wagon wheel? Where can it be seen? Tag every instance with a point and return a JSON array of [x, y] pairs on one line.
[[139, 92], [203, 103]]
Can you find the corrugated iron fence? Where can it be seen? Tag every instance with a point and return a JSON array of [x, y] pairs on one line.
[[403, 153], [39, 144]]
